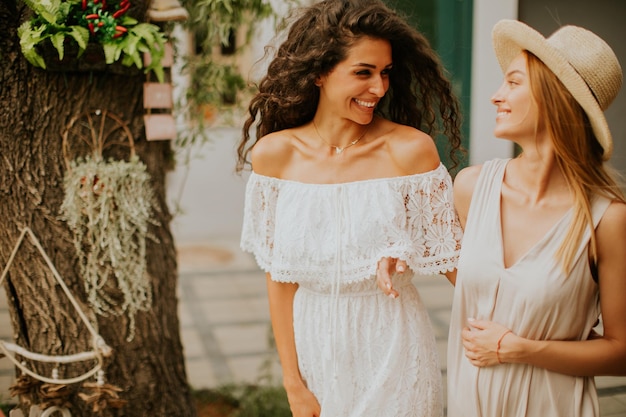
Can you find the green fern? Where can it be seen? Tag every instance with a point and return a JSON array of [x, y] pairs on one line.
[[112, 52], [57, 41], [29, 37], [80, 35], [51, 11]]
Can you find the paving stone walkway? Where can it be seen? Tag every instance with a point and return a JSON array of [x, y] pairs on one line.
[[225, 325], [225, 320]]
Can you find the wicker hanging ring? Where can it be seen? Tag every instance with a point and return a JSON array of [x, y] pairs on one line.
[[99, 134]]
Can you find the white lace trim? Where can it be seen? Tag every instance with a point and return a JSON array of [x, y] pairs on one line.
[[308, 232]]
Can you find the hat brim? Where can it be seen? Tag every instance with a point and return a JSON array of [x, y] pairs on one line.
[[511, 37]]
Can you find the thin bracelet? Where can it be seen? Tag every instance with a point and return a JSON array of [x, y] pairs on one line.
[[498, 345]]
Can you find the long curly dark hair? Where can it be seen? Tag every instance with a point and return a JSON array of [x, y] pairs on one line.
[[419, 93]]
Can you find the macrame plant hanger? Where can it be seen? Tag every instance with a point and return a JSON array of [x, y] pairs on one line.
[[107, 205], [91, 135], [100, 348]]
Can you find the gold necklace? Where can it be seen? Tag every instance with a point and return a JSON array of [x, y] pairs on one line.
[[339, 149]]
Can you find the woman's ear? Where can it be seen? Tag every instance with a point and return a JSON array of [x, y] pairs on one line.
[[319, 80]]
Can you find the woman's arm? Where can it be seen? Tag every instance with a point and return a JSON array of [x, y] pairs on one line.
[[464, 184], [301, 401], [411, 152], [604, 355], [416, 155]]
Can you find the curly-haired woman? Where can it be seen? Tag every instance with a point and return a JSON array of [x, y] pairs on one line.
[[346, 174]]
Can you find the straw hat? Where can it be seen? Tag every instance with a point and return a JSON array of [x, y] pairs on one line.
[[584, 63]]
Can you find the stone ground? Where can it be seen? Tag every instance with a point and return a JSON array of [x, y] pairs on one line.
[[225, 322]]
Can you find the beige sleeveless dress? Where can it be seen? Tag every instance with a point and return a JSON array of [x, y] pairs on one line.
[[534, 298]]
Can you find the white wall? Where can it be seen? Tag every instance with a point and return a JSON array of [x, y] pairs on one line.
[[486, 77], [205, 194], [603, 17], [207, 191]]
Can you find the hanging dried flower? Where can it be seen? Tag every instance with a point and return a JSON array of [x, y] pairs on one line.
[[24, 387], [101, 396], [108, 207], [51, 395]]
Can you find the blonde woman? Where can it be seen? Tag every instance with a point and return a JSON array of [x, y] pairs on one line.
[[544, 248]]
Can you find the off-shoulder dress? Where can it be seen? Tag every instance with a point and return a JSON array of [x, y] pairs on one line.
[[360, 352]]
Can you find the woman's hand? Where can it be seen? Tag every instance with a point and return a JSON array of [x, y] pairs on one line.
[[385, 270], [482, 341], [302, 402]]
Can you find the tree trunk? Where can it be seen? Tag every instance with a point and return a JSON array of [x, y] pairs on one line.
[[36, 106]]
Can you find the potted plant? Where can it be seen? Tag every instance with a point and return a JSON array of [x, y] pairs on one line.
[[213, 83], [220, 29], [215, 20], [75, 35]]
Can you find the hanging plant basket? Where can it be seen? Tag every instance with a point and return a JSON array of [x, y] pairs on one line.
[[92, 59], [97, 134], [90, 35]]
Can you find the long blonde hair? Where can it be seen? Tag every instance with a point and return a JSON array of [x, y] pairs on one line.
[[578, 155]]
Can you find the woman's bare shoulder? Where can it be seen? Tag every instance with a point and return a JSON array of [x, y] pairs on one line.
[[612, 227], [466, 179], [271, 153], [412, 150], [464, 184]]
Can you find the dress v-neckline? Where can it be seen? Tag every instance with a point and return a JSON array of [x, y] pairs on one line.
[[534, 246]]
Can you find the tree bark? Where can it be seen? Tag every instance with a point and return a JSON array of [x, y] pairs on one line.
[[35, 108]]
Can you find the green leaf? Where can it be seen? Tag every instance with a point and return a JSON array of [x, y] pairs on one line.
[[28, 39], [126, 20], [137, 59], [228, 7], [34, 58], [127, 61], [158, 72], [49, 10], [80, 35], [130, 44], [147, 31], [66, 7], [31, 4], [121, 46], [28, 35], [111, 52], [57, 41]]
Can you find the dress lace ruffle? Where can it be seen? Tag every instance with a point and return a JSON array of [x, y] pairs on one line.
[[296, 230]]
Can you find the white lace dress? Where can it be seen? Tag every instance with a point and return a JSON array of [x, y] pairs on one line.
[[360, 352]]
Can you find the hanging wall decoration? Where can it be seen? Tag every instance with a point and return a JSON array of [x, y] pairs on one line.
[[167, 11], [52, 390], [158, 100], [108, 206]]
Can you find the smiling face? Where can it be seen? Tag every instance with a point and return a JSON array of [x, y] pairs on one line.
[[517, 114], [355, 86]]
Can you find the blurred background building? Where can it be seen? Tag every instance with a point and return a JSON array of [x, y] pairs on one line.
[[207, 194]]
